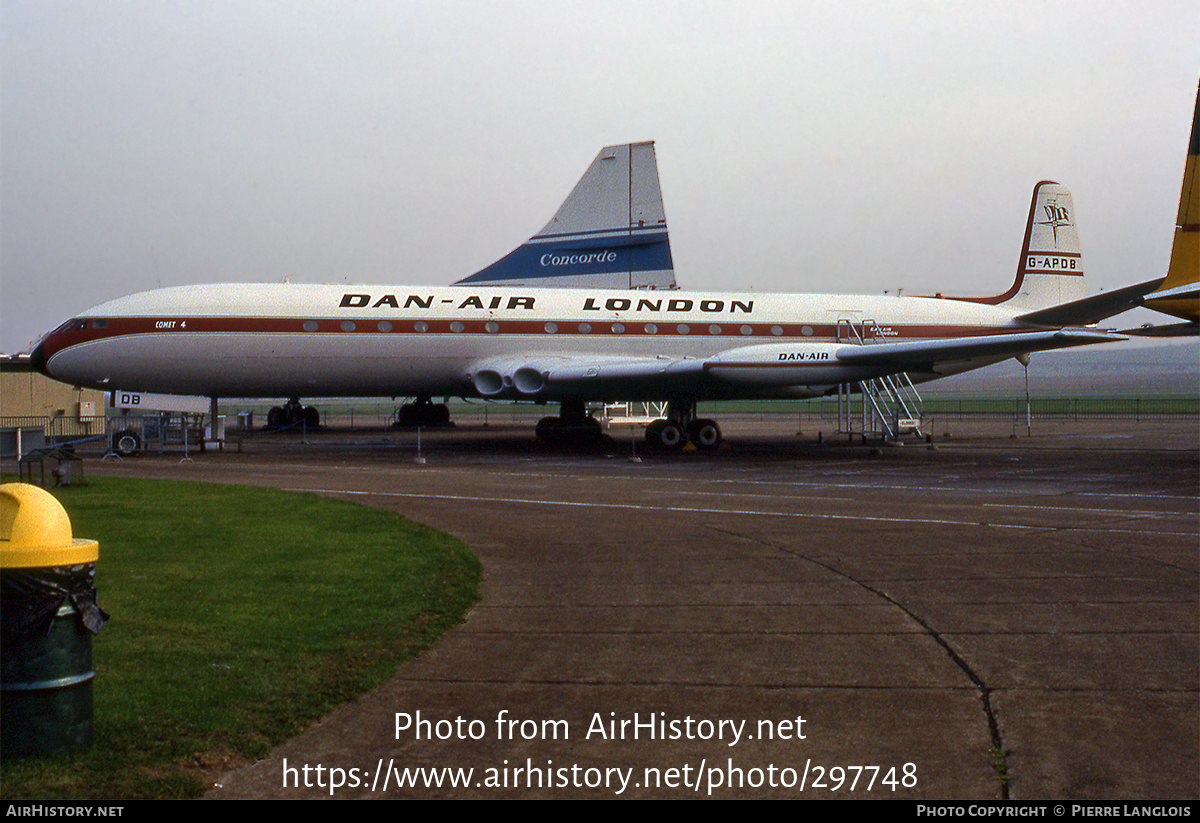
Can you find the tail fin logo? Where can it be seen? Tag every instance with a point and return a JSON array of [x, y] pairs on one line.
[[1056, 216]]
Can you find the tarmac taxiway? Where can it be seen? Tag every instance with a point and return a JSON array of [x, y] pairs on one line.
[[995, 617]]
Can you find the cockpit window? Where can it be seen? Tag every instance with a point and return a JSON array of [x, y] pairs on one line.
[[80, 324]]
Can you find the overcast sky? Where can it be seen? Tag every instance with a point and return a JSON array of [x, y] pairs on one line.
[[849, 147]]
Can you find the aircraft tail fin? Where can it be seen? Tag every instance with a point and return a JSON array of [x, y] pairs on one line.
[[611, 232], [1050, 271], [1178, 293]]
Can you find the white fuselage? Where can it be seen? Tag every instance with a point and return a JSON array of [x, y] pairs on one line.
[[257, 340]]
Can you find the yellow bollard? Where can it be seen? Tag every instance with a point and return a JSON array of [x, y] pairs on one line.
[[48, 614]]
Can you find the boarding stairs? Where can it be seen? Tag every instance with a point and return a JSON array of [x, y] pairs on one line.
[[882, 407], [629, 414]]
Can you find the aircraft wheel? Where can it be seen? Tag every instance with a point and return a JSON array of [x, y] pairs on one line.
[[549, 429], [276, 418], [654, 434], [706, 434], [670, 436], [126, 443], [587, 429], [441, 415], [312, 418]]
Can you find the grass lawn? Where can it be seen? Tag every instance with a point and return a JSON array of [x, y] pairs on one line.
[[239, 616]]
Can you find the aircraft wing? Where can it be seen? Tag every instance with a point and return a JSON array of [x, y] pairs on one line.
[[767, 366], [541, 374]]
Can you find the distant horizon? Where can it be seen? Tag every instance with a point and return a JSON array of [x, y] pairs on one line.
[[1166, 367]]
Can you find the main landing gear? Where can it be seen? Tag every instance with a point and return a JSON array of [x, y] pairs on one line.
[[680, 427], [575, 426], [572, 426], [293, 415], [424, 413]]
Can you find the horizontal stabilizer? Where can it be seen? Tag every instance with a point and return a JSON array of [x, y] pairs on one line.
[[967, 348], [611, 232], [1182, 301], [1172, 330], [1091, 309]]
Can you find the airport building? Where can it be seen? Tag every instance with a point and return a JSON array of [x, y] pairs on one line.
[[36, 405]]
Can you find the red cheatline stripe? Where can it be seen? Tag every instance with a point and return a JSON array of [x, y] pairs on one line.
[[758, 332]]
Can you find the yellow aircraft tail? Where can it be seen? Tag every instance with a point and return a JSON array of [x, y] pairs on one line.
[[1179, 294]]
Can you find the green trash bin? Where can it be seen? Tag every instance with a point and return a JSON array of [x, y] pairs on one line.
[[48, 614]]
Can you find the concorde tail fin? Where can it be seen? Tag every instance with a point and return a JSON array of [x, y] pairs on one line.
[[611, 232]]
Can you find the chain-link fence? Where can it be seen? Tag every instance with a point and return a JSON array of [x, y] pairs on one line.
[[161, 432]]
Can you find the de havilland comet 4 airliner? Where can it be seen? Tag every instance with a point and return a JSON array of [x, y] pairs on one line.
[[586, 310]]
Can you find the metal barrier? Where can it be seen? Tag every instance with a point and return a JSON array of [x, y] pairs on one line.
[[95, 433], [100, 433]]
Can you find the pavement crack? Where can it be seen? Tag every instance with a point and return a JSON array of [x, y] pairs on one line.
[[999, 754]]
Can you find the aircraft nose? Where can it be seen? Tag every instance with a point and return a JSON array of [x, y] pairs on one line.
[[37, 358]]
